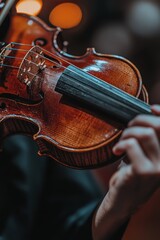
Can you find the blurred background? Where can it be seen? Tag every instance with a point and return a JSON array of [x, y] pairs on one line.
[[129, 28]]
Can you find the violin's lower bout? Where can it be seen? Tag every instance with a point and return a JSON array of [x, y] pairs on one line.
[[52, 141], [74, 138]]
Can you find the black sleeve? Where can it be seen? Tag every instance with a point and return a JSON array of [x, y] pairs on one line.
[[43, 200], [69, 202], [70, 198]]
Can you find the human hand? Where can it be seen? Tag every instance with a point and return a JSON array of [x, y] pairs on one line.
[[133, 184], [140, 141]]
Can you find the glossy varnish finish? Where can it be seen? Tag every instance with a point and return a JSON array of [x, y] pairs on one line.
[[72, 133]]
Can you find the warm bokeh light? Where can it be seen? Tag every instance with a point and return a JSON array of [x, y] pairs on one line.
[[66, 15], [31, 7]]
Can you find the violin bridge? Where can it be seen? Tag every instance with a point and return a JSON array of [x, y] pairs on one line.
[[32, 64]]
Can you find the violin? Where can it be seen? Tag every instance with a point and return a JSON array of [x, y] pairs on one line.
[[74, 107]]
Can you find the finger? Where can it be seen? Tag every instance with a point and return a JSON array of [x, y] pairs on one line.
[[146, 121], [147, 139], [120, 175], [121, 146], [156, 109], [122, 164], [135, 153]]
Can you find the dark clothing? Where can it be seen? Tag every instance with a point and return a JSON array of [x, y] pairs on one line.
[[41, 199]]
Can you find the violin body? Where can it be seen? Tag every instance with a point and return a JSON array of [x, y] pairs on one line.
[[65, 129]]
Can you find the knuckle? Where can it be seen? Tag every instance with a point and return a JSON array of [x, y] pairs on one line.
[[131, 142], [139, 118], [143, 171], [124, 133], [149, 133]]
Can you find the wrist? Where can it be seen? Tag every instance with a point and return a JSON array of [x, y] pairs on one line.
[[107, 221]]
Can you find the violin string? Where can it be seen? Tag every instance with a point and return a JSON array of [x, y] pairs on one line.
[[24, 50], [9, 66], [32, 74], [11, 57], [38, 53], [45, 51], [22, 44], [43, 57], [15, 67]]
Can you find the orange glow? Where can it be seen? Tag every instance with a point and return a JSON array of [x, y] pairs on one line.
[[31, 7], [66, 15]]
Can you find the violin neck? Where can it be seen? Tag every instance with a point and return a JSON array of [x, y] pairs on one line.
[[98, 94]]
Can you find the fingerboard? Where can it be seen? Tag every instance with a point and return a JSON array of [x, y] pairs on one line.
[[99, 94]]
